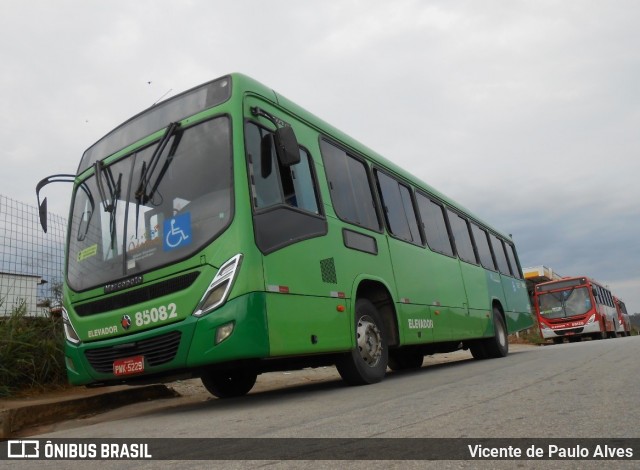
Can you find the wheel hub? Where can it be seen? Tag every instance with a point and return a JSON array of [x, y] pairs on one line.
[[369, 340]]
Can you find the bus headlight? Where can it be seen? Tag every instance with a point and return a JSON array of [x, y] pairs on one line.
[[69, 330], [592, 318], [220, 287]]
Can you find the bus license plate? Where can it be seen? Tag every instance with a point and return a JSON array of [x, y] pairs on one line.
[[129, 366]]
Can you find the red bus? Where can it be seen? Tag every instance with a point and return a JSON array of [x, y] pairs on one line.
[[623, 317], [575, 307]]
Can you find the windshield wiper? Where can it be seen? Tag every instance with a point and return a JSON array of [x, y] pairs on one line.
[[148, 169], [112, 186], [114, 196]]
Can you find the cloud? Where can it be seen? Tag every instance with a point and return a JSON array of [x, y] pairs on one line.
[[525, 112]]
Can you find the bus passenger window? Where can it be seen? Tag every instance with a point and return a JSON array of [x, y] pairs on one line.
[[482, 243], [349, 186], [501, 257], [398, 208], [435, 227], [511, 255], [462, 238]]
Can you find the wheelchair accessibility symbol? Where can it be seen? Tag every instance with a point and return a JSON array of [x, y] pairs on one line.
[[177, 232]]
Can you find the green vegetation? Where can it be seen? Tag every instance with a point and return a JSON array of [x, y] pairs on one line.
[[531, 335], [31, 353]]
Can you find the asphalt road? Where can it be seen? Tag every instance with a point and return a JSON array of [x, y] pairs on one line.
[[579, 390]]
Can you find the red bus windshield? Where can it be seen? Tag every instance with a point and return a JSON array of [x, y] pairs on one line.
[[565, 303]]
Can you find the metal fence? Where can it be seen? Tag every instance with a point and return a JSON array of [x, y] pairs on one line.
[[31, 261]]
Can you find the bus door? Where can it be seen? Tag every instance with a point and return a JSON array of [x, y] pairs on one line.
[[306, 308]]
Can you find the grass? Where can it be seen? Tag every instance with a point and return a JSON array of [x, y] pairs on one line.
[[31, 353]]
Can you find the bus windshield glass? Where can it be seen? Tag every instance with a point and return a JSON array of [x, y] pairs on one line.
[[157, 117], [115, 232], [565, 303]]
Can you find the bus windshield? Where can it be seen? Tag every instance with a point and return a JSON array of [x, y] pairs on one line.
[[116, 232], [565, 303]]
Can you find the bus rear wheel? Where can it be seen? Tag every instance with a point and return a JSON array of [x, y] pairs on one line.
[[497, 345], [229, 384], [367, 363]]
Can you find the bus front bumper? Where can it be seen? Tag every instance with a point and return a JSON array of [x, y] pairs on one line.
[[177, 349], [566, 331]]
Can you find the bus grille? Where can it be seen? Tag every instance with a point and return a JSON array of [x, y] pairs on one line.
[[137, 296], [158, 350]]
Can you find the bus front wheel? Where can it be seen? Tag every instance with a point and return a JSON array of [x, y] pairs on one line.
[[229, 384], [367, 363]]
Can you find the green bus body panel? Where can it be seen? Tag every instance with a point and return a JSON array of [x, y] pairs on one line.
[[248, 340], [197, 349], [518, 310], [478, 319], [307, 325], [416, 323], [299, 299]]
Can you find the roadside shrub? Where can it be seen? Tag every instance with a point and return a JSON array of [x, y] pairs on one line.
[[532, 335], [31, 353]]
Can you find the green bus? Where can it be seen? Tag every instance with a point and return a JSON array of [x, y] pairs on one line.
[[227, 232]]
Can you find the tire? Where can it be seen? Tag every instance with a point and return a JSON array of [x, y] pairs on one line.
[[558, 340], [498, 345], [400, 359], [229, 384], [478, 351], [367, 363]]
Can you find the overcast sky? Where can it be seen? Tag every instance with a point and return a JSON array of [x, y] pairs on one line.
[[526, 112]]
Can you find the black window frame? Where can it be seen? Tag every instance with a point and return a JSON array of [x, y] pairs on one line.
[[450, 211], [443, 207], [323, 139], [280, 225], [383, 205], [495, 257], [511, 248], [485, 232], [312, 171]]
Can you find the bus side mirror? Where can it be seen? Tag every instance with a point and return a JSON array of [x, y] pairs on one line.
[[42, 210], [42, 206], [595, 292], [287, 147]]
